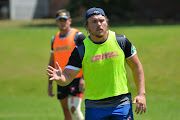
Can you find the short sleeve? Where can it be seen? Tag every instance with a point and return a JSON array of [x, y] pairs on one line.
[[127, 47], [79, 37], [130, 49], [74, 59]]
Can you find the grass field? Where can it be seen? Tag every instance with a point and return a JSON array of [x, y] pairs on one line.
[[25, 51]]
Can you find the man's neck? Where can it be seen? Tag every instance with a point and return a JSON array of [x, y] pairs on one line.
[[63, 32], [99, 39]]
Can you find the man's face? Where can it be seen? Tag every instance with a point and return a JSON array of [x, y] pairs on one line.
[[97, 25], [63, 24]]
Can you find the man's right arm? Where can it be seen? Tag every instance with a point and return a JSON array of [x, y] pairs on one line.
[[50, 85], [71, 70], [62, 78], [51, 63]]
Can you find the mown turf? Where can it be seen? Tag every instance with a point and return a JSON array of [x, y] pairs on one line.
[[25, 51]]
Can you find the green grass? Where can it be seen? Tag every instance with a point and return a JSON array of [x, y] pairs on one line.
[[25, 52]]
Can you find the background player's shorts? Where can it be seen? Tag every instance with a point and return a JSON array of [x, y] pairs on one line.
[[71, 89], [123, 112]]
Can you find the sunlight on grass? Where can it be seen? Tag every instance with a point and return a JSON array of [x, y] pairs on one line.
[[25, 50]]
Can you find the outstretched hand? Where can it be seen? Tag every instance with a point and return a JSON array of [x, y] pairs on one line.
[[141, 104], [54, 74]]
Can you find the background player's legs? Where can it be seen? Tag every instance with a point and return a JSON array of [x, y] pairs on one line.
[[64, 104], [74, 104]]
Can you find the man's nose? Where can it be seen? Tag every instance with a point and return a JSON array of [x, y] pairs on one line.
[[98, 23]]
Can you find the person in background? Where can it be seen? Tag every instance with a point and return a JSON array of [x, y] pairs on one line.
[[62, 45], [103, 57]]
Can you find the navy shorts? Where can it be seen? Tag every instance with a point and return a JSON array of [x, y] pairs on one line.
[[71, 89], [123, 112]]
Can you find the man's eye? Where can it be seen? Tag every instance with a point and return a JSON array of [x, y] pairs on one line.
[[101, 21]]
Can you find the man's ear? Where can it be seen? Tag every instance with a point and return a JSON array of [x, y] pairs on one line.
[[70, 20], [87, 28], [56, 21]]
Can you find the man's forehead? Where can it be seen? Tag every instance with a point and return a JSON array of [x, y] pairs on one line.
[[62, 19], [97, 17]]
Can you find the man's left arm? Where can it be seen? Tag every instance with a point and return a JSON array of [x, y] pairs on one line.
[[138, 75]]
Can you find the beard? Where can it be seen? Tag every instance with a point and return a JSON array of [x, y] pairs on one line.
[[98, 34]]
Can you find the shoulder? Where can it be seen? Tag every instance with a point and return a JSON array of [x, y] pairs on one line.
[[119, 35], [78, 33], [79, 37], [52, 39], [127, 47], [121, 40]]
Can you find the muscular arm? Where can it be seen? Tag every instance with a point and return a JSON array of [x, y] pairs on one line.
[[138, 76], [138, 73], [51, 63], [67, 76], [50, 85]]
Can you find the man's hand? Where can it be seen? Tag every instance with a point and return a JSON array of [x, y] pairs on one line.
[[50, 90], [54, 74], [141, 104]]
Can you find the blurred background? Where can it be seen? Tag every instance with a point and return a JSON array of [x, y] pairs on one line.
[[26, 29], [140, 10]]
